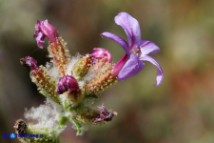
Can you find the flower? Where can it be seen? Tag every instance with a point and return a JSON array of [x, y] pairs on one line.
[[67, 83], [104, 115], [136, 50], [100, 53], [29, 62], [44, 29]]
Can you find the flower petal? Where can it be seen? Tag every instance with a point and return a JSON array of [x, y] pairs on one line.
[[148, 47], [40, 39], [131, 67], [49, 30], [29, 62], [130, 25], [44, 29], [159, 76], [117, 39]]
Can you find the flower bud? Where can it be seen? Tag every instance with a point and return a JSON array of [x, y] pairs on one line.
[[104, 115], [29, 62], [67, 83], [100, 53]]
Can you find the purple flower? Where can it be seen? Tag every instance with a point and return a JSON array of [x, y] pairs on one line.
[[136, 50], [104, 115], [29, 62], [44, 29], [100, 53], [67, 83]]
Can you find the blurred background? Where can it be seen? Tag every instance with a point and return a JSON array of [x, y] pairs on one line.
[[181, 110]]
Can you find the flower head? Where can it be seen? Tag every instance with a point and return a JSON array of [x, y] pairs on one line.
[[100, 53], [29, 62], [67, 83], [136, 50], [44, 29]]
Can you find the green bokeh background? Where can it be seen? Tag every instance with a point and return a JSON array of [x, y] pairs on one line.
[[181, 110]]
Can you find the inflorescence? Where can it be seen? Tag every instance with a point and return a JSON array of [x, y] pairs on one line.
[[69, 83]]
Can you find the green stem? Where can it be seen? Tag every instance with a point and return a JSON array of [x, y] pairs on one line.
[[77, 125]]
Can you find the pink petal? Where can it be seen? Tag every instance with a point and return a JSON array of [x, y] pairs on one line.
[[44, 29]]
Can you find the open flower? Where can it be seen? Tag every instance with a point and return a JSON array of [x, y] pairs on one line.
[[136, 50], [44, 29]]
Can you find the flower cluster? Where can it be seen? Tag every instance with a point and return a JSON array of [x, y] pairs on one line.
[[70, 82]]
